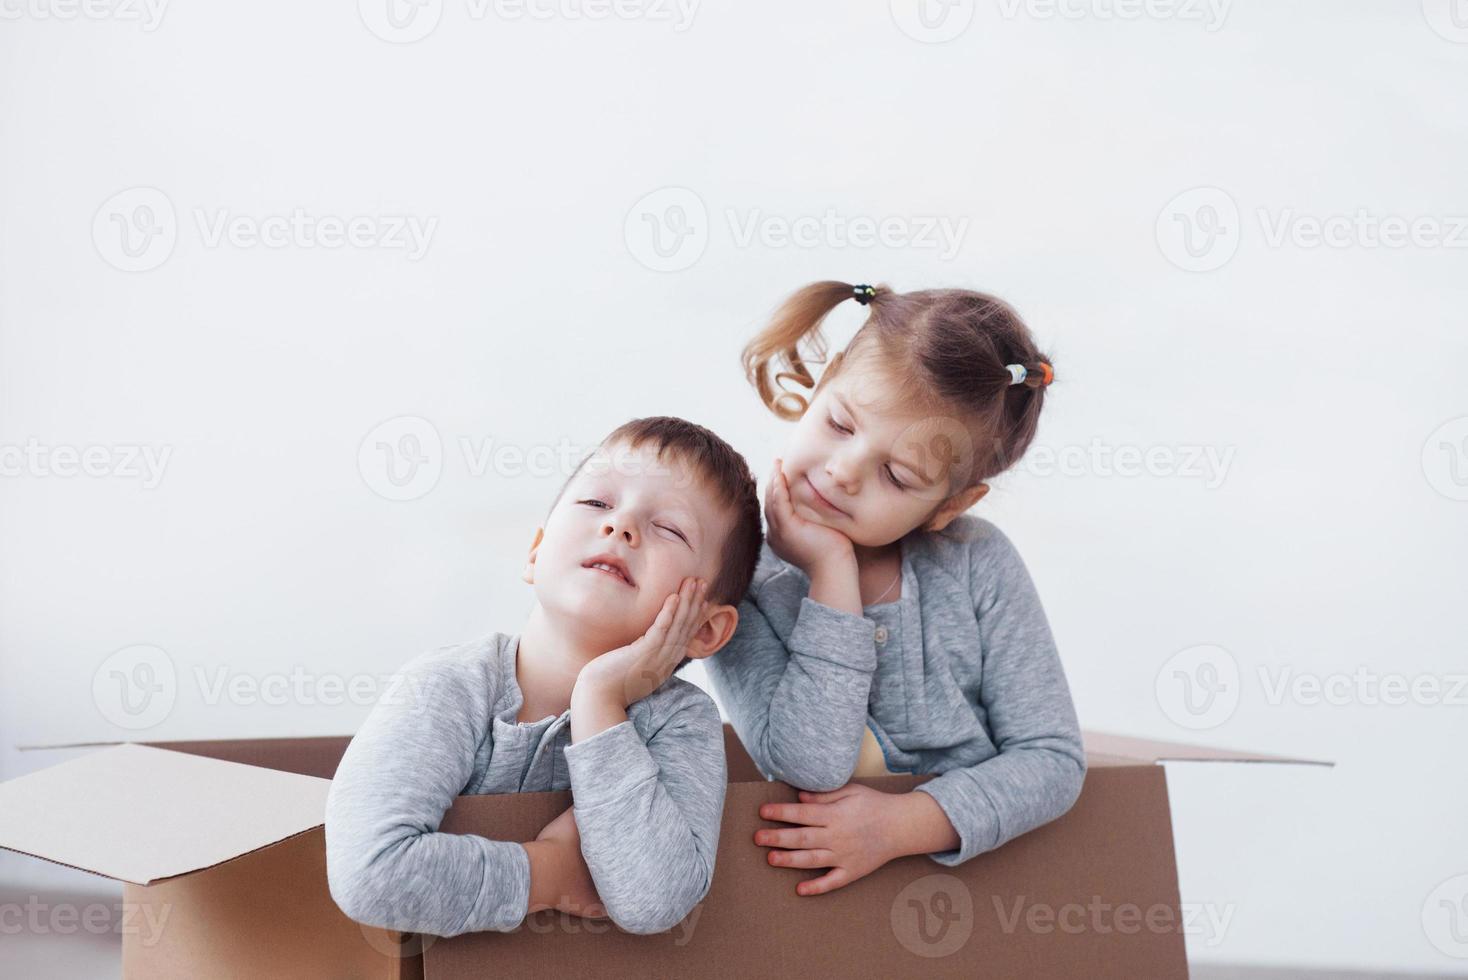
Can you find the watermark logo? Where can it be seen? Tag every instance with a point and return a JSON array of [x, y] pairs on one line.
[[1447, 18], [135, 687], [1445, 459], [1210, 13], [123, 461], [667, 230], [933, 916], [832, 229], [1199, 688], [400, 21], [932, 21], [1199, 229], [135, 230], [1445, 917], [37, 917], [148, 14], [1207, 921], [402, 458], [1209, 465]]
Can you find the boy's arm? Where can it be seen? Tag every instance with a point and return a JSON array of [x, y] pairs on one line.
[[387, 865], [649, 814], [1041, 764], [799, 709]]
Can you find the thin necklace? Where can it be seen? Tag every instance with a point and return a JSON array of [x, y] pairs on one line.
[[889, 588]]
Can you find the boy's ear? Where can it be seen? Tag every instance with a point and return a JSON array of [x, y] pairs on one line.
[[528, 575], [717, 630], [954, 506]]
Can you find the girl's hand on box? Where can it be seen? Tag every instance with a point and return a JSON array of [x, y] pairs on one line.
[[853, 831], [846, 831], [803, 543]]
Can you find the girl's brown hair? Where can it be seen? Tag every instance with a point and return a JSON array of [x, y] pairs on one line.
[[943, 351]]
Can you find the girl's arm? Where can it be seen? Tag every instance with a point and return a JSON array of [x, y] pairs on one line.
[[799, 708], [1035, 777], [1041, 764]]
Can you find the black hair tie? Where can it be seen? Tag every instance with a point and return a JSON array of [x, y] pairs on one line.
[[864, 293]]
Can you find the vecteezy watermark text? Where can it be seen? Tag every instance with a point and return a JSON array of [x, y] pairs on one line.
[[137, 229], [668, 230], [1202, 229], [407, 21], [124, 461], [147, 14]]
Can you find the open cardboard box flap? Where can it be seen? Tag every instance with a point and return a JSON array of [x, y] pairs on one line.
[[142, 814]]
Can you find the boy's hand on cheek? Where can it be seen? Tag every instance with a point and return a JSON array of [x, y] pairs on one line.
[[611, 682], [853, 831]]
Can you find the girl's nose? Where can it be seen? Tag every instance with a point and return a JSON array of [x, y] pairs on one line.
[[842, 473]]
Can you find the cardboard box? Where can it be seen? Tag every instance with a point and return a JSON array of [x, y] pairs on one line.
[[222, 849]]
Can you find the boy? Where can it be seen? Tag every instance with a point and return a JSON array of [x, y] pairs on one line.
[[640, 566]]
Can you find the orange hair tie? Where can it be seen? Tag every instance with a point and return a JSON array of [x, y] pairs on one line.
[[1048, 376]]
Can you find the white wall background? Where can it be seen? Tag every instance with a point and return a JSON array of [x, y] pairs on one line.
[[1331, 544]]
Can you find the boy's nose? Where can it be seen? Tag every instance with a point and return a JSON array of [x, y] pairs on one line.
[[628, 533]]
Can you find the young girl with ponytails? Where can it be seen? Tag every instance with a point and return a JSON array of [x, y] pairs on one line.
[[886, 630]]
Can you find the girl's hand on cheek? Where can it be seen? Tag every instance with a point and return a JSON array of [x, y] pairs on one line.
[[803, 543], [848, 831]]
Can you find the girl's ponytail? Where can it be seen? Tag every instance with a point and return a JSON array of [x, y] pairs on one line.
[[777, 346], [951, 352]]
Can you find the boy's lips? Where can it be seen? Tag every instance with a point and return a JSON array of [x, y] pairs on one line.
[[621, 574]]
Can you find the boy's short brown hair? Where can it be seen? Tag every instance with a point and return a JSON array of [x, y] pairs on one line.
[[723, 470]]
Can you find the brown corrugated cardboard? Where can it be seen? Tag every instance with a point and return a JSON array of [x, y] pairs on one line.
[[236, 857]]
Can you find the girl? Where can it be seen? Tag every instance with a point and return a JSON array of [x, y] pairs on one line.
[[885, 630]]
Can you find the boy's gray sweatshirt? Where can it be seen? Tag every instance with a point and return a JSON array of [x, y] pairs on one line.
[[648, 796], [958, 676]]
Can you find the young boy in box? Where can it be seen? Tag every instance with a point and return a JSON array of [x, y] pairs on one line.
[[640, 566]]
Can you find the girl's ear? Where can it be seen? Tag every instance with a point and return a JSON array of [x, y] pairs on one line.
[[954, 506], [716, 631], [528, 574]]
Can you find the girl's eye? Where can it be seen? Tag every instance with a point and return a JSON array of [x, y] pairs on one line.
[[893, 477], [598, 502], [839, 428], [674, 530]]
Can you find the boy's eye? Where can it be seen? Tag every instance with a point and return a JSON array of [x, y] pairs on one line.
[[839, 428], [893, 477], [671, 530]]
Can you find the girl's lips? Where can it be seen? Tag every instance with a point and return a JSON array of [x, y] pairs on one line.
[[824, 502]]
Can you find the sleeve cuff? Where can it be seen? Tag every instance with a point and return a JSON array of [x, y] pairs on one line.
[[834, 636], [608, 765], [505, 901], [975, 821]]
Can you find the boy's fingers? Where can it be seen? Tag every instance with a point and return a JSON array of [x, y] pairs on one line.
[[830, 881]]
